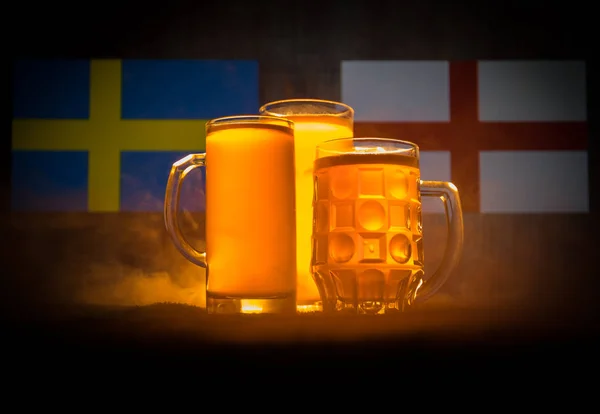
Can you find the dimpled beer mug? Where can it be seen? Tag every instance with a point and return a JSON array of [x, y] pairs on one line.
[[315, 121], [367, 252], [250, 256]]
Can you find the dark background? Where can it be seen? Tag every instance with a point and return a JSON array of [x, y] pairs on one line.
[[548, 260]]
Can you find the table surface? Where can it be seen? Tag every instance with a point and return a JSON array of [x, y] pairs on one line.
[[435, 320], [172, 336]]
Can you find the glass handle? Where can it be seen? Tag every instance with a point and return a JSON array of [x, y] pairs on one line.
[[448, 193], [178, 173]]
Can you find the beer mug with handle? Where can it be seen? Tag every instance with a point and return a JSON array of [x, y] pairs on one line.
[[367, 243], [250, 256]]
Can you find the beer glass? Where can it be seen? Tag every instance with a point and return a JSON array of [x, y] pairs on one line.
[[367, 253], [250, 256], [315, 121]]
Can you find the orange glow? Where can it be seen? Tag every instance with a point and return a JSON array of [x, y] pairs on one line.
[[310, 131], [368, 228], [309, 308], [250, 243], [251, 306]]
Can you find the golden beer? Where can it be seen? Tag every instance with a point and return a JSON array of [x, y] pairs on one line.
[[250, 210], [250, 214], [367, 228], [314, 122]]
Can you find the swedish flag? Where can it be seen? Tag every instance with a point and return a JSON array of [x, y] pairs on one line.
[[101, 135]]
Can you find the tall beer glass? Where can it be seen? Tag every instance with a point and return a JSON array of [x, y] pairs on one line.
[[250, 252], [315, 121]]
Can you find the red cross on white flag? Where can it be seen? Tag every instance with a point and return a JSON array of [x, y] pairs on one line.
[[512, 135]]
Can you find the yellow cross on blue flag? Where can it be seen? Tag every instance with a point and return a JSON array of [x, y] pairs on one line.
[[101, 135]]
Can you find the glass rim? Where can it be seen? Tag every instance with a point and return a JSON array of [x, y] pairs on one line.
[[347, 111], [323, 146], [233, 119]]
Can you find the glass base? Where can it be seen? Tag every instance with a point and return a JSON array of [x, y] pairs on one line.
[[369, 307], [309, 306], [230, 305]]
